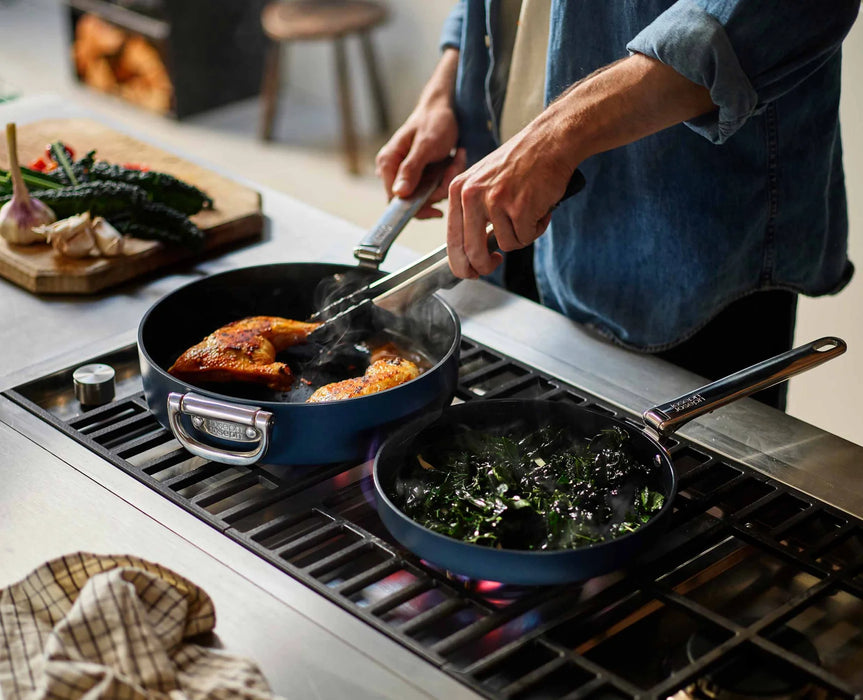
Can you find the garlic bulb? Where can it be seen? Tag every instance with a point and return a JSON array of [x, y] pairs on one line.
[[20, 215], [71, 237], [108, 239]]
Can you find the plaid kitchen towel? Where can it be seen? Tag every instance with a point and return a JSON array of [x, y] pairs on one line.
[[91, 626]]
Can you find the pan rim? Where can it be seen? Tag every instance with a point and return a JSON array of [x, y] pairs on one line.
[[502, 553]]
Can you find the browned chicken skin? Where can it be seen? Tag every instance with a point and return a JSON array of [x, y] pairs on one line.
[[380, 375], [244, 351]]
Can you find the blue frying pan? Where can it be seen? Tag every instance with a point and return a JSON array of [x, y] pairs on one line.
[[524, 567]]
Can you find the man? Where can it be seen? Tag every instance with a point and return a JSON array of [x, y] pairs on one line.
[[708, 134]]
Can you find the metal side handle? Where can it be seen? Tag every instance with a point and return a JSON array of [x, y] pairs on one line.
[[668, 417], [244, 424], [373, 248]]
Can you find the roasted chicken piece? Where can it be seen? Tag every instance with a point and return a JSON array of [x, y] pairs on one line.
[[380, 375], [387, 351], [244, 351]]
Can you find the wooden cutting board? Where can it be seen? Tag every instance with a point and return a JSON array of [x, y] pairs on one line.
[[236, 214]]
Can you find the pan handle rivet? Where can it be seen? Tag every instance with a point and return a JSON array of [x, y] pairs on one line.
[[251, 433], [197, 421]]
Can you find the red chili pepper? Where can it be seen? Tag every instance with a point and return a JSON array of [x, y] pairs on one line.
[[42, 165], [136, 166]]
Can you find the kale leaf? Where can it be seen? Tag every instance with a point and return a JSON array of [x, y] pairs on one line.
[[534, 490]]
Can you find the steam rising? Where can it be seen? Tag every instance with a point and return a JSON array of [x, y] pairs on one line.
[[351, 344]]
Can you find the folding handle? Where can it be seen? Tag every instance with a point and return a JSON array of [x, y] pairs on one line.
[[226, 421]]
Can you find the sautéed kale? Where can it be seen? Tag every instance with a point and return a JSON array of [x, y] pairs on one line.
[[537, 490]]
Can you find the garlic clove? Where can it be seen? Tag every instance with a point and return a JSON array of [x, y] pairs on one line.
[[71, 237], [109, 240], [63, 226], [77, 244]]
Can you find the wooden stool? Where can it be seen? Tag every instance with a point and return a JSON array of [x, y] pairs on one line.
[[298, 20]]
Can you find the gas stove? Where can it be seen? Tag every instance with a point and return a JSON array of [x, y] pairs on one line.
[[755, 591]]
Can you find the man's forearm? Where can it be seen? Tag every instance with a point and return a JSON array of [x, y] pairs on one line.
[[429, 134], [440, 87], [621, 103]]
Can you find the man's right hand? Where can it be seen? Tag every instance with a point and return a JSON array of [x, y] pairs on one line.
[[428, 135]]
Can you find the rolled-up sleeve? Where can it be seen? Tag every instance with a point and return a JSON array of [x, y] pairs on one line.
[[452, 27], [746, 52]]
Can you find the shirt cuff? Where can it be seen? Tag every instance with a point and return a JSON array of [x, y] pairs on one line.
[[696, 45], [451, 33]]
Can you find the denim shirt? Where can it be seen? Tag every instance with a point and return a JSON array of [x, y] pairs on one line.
[[674, 227]]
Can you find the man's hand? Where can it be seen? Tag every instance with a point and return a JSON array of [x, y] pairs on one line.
[[515, 187], [428, 135]]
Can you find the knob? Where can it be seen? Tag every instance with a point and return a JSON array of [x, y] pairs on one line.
[[94, 384]]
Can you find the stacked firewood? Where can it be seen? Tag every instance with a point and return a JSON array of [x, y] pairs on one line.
[[117, 61]]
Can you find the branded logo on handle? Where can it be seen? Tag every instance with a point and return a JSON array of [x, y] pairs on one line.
[[687, 404]]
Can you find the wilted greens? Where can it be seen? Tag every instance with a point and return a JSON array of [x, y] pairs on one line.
[[534, 490]]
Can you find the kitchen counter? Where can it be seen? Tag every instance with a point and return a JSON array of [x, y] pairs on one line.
[[60, 497], [49, 505]]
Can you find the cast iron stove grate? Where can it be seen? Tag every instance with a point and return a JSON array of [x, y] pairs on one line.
[[756, 588]]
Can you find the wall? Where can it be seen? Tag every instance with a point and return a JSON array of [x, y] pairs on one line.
[[828, 396], [407, 51]]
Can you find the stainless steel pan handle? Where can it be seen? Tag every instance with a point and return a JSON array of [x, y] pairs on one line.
[[244, 424], [666, 418]]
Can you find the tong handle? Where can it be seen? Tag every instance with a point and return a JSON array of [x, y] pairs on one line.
[[373, 248], [397, 291], [574, 186], [425, 276]]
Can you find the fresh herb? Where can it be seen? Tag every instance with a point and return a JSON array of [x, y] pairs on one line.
[[143, 204], [33, 179], [58, 153], [127, 207], [154, 221], [161, 187], [80, 171], [537, 490], [99, 198]]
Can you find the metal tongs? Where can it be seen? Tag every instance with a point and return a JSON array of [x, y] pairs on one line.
[[398, 291], [395, 292]]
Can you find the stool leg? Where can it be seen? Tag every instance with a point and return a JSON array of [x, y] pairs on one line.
[[270, 89], [349, 137], [376, 84]]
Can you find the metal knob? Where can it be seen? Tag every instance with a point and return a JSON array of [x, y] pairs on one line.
[[94, 384]]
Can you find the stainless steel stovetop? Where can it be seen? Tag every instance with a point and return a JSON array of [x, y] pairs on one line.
[[757, 589]]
